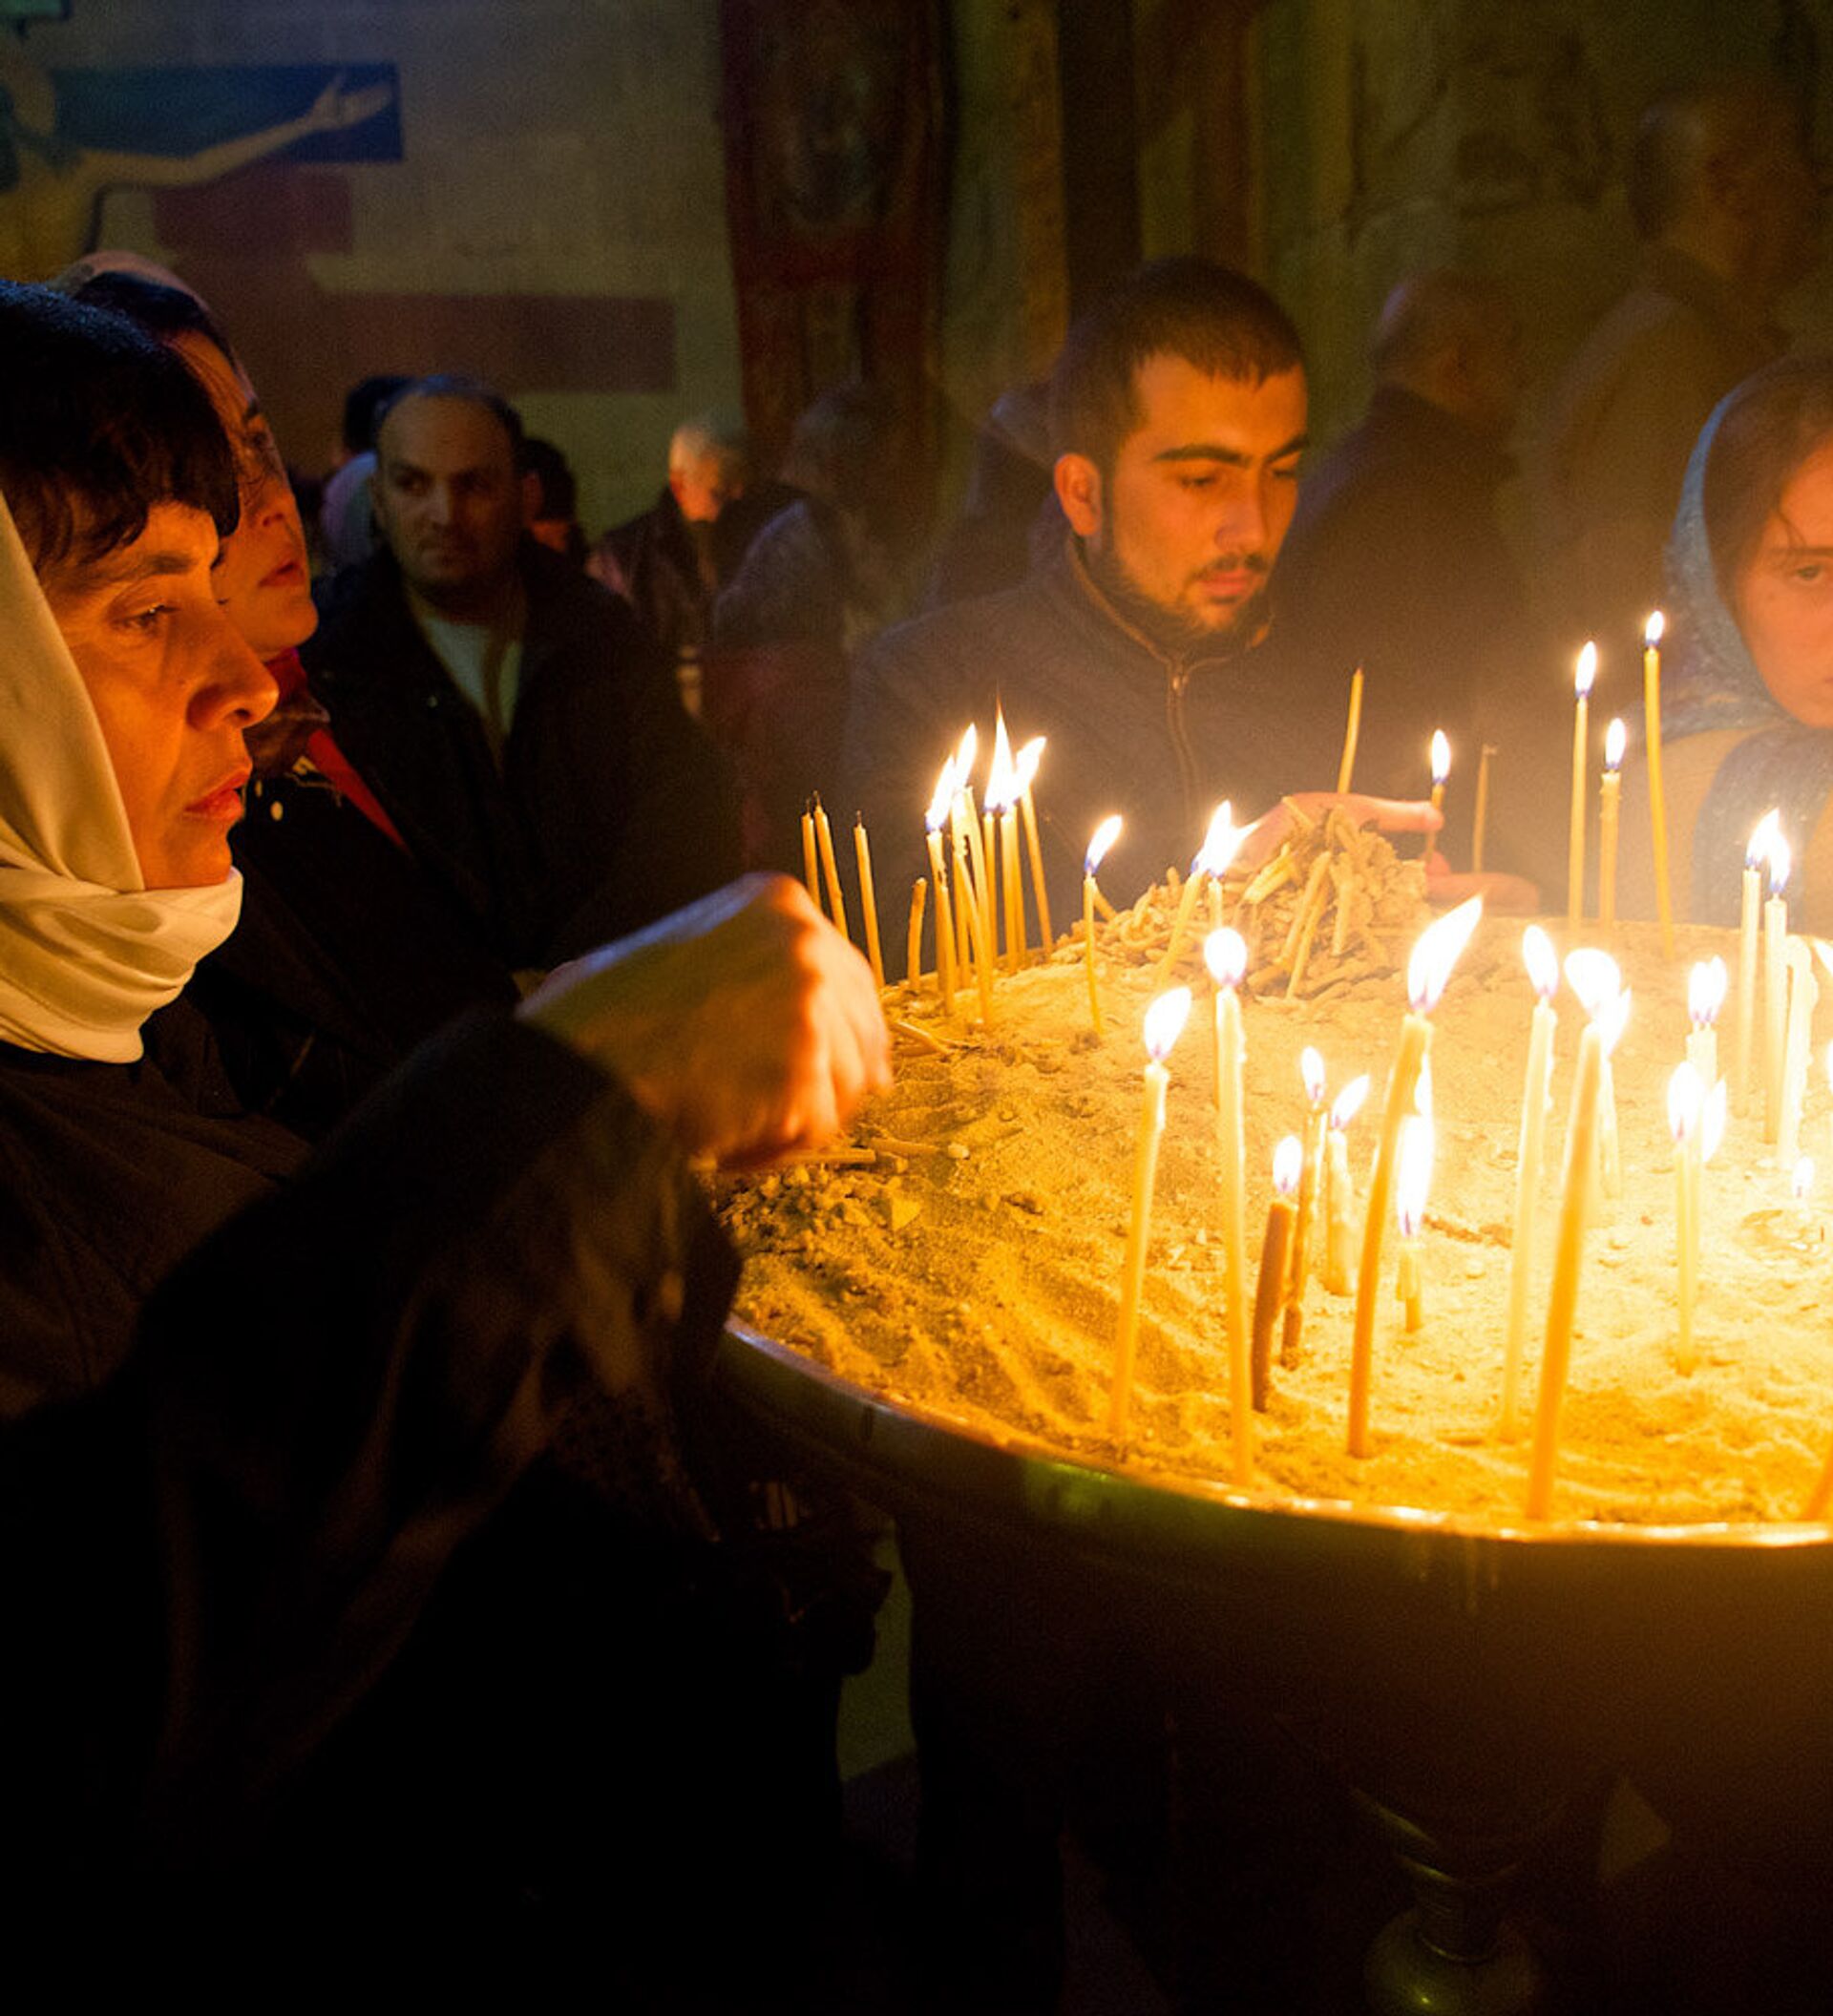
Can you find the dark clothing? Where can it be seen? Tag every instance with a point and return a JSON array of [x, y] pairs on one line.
[[271, 1512], [609, 810], [1132, 729], [1394, 562]]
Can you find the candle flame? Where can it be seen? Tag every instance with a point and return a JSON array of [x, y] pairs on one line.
[[1225, 952], [1757, 852], [1099, 841], [938, 813], [1413, 1174], [1441, 756], [1686, 1100], [1711, 1122], [1436, 951], [1422, 1089], [1220, 844], [1027, 762], [1595, 977], [1617, 739], [1802, 1179], [964, 755], [1001, 776], [1350, 1101], [1165, 1023], [1311, 1069], [1653, 629], [1584, 671], [1288, 1165], [1781, 860], [1541, 960], [1611, 1021], [1706, 984]]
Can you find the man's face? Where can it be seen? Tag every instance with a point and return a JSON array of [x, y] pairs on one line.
[[448, 500], [263, 573], [1201, 493], [704, 485], [173, 685]]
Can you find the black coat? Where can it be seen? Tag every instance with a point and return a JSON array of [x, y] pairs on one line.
[[610, 809]]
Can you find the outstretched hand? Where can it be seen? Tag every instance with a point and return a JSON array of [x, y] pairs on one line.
[[335, 108], [745, 1024], [1388, 815]]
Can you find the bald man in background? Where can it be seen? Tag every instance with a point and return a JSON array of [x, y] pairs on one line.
[[1726, 202]]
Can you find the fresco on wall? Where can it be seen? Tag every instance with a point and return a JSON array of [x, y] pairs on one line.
[[68, 138]]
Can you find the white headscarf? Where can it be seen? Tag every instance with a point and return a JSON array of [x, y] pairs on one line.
[[86, 951]]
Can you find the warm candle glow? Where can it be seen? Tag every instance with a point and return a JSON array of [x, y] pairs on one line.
[[1541, 960], [964, 755], [1706, 985], [1001, 791], [1763, 836], [1311, 1072], [1099, 841], [1585, 672], [1781, 859], [1353, 1096], [1413, 1178], [1220, 844], [1653, 629], [1027, 761], [1164, 1021], [1802, 1179], [937, 812], [1595, 977], [1288, 1165], [1686, 1101], [1436, 951], [1617, 739], [1225, 952], [1441, 758]]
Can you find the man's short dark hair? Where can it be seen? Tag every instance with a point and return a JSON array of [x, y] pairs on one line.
[[546, 462], [1678, 133], [1219, 320], [474, 391], [99, 422], [162, 311]]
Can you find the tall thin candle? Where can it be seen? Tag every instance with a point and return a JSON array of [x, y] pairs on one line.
[[1652, 752], [829, 868], [1756, 856], [1479, 818], [1411, 1184], [1775, 982], [1582, 677], [937, 814], [868, 898], [1543, 970], [1028, 760], [1346, 769], [1609, 795], [1099, 841], [1340, 1189], [1686, 1097], [1803, 992], [1429, 968], [1164, 1025], [1275, 1250], [1706, 983], [1226, 955]]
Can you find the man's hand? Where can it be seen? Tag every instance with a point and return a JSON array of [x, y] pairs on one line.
[[1389, 815], [335, 108], [745, 1024]]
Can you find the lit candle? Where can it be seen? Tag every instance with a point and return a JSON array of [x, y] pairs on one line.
[[1028, 759], [971, 899], [868, 902], [1346, 769], [1002, 805], [1543, 970], [810, 865], [1311, 1071], [1428, 970], [829, 868], [1706, 983], [1275, 1251], [1611, 1020], [1225, 952], [1803, 992], [914, 932], [1441, 758], [1164, 1026], [1686, 1098], [1480, 817], [1339, 1188], [1657, 800], [938, 813], [1582, 679], [1756, 855], [1609, 803], [1099, 841], [1412, 1181], [1574, 1209], [1220, 845], [1775, 982]]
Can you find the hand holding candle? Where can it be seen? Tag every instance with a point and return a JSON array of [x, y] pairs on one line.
[[1164, 1025]]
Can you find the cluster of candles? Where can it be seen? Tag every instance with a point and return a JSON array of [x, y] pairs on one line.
[[1311, 1179]]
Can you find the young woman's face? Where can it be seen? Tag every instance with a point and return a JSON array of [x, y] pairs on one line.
[[262, 575], [1784, 598]]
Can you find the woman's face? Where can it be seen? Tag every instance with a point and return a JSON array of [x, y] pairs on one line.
[[263, 576], [1785, 594]]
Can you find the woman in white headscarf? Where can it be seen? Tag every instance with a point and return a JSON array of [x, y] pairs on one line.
[[219, 1523]]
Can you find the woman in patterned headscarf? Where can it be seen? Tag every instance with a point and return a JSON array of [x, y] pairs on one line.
[[1748, 702]]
